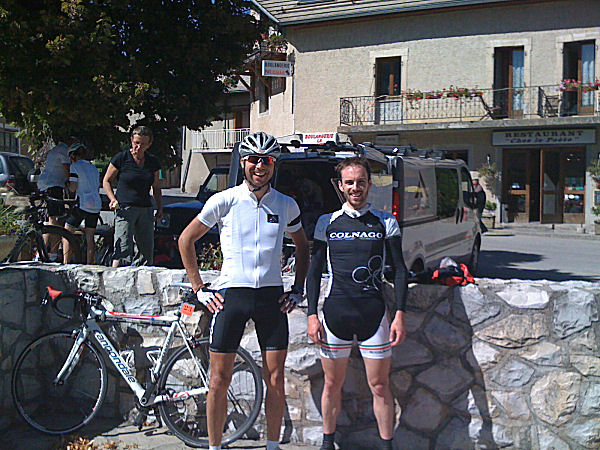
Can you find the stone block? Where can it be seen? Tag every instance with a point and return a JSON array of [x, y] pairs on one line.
[[548, 440], [413, 321], [591, 400], [304, 360], [472, 307], [512, 374], [446, 379], [483, 356], [400, 382], [422, 297], [410, 353], [587, 365], [312, 435], [514, 404], [407, 440], [555, 396], [522, 295], [455, 435], [544, 354], [423, 412], [514, 331], [583, 342], [445, 337], [573, 312], [586, 432], [144, 283], [12, 307]]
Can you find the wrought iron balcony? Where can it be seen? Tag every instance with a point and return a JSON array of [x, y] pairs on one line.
[[217, 140], [468, 105]]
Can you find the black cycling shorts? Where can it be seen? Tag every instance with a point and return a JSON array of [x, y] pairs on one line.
[[348, 317], [262, 306], [55, 208], [77, 215]]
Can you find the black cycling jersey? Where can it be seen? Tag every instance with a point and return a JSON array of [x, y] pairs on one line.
[[355, 245]]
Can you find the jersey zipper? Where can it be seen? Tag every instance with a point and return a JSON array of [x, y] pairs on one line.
[[256, 244]]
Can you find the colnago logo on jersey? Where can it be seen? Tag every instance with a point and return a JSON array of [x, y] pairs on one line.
[[351, 235]]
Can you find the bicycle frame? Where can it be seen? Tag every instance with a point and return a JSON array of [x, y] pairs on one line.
[[91, 328]]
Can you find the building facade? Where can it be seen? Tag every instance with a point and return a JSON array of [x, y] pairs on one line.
[[507, 84]]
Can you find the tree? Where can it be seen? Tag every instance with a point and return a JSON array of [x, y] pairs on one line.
[[85, 68]]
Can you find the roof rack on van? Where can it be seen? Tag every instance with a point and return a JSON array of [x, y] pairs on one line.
[[399, 150], [431, 153]]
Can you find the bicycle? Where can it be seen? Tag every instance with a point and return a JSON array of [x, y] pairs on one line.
[[103, 241], [59, 380], [30, 245]]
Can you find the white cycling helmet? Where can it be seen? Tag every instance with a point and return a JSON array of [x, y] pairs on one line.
[[261, 144]]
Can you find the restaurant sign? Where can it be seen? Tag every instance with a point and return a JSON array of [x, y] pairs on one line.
[[569, 136], [276, 68]]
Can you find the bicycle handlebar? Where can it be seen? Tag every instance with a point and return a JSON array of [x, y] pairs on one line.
[[80, 307]]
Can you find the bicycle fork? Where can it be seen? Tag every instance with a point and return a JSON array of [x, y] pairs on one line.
[[73, 358]]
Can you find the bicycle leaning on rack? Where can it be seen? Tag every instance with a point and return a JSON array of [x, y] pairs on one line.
[[60, 379], [30, 245]]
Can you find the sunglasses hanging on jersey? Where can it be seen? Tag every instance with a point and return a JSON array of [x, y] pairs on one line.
[[255, 159]]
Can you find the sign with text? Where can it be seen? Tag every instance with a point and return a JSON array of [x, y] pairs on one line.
[[319, 138], [276, 68], [569, 136]]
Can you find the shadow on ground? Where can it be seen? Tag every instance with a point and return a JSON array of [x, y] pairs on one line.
[[502, 264]]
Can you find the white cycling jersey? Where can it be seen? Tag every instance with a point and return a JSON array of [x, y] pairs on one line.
[[251, 234]]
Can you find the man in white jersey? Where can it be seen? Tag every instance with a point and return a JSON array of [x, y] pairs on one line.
[[252, 219]]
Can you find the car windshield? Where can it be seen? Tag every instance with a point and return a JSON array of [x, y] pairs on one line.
[[216, 182], [20, 166]]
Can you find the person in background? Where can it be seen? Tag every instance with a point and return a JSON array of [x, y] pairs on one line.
[[136, 172], [52, 181], [84, 180], [480, 199]]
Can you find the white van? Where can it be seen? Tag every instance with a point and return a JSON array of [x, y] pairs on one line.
[[430, 197]]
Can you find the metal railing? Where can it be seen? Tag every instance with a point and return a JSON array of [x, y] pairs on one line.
[[468, 105], [217, 140]]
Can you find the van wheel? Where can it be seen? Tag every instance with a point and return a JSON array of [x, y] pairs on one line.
[[474, 258]]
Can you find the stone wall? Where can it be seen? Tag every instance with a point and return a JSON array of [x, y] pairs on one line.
[[511, 364]]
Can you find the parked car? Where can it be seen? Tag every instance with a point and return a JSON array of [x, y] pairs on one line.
[[177, 216], [14, 171]]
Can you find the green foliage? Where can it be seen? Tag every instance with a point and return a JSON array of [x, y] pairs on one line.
[[490, 175], [9, 220], [490, 206], [69, 67], [594, 170], [596, 210], [210, 257]]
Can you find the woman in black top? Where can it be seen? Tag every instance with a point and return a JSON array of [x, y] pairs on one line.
[[136, 172]]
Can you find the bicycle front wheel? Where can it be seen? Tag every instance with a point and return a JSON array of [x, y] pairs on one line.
[[187, 418], [58, 407]]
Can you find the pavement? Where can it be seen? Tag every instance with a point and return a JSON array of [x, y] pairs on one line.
[[103, 435]]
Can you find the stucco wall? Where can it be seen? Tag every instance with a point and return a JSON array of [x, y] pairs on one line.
[[438, 49], [504, 363]]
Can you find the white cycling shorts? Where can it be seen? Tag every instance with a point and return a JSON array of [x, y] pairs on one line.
[[377, 346]]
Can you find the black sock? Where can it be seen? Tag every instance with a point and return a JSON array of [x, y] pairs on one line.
[[385, 444], [328, 441]]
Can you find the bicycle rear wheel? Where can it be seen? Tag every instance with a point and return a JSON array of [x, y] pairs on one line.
[[64, 407], [187, 418], [31, 247]]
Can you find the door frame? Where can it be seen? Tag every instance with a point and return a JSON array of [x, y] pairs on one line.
[[558, 191]]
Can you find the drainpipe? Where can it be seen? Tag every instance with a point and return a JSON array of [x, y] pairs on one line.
[[265, 12]]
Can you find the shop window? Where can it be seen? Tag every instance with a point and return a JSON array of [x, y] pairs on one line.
[[509, 81], [447, 192], [574, 182]]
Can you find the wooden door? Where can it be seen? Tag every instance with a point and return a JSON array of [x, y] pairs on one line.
[[551, 205]]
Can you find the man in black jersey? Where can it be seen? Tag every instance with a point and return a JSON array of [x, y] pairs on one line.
[[357, 241]]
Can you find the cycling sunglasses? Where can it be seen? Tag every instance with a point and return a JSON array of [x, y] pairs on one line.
[[266, 160]]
